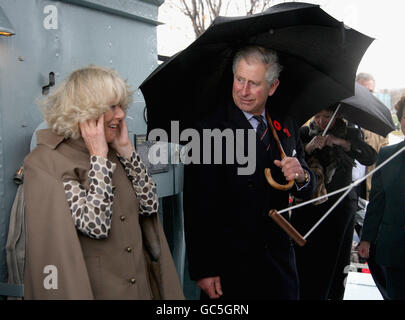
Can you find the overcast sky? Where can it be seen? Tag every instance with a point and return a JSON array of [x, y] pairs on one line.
[[380, 19]]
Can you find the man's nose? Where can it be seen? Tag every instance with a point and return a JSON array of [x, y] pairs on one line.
[[245, 89]]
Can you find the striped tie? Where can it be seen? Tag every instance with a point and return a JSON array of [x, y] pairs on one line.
[[263, 132]]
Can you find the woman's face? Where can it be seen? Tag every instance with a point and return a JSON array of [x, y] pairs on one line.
[[112, 119], [322, 119]]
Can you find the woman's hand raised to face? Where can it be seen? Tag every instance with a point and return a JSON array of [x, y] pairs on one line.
[[122, 144], [92, 132]]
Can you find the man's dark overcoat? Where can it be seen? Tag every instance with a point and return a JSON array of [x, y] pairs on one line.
[[228, 231]]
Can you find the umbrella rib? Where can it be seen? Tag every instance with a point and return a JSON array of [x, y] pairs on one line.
[[346, 190]]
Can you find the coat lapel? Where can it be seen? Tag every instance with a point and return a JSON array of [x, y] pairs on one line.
[[237, 120]]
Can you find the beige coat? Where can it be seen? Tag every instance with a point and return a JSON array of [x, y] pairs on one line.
[[134, 262]]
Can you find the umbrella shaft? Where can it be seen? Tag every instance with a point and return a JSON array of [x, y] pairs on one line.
[[330, 121]]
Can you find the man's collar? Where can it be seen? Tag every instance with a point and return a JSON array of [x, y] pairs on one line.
[[250, 116]]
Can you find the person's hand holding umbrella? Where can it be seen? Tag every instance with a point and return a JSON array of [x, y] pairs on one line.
[[317, 143], [291, 169]]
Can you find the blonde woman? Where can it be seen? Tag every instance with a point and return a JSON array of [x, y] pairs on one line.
[[92, 208]]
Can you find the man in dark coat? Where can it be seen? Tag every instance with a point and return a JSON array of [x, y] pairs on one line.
[[384, 225], [235, 250]]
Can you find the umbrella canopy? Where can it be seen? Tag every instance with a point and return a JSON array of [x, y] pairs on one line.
[[365, 110], [319, 55]]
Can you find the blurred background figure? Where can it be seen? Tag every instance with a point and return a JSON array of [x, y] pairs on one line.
[[373, 139], [322, 260], [383, 233]]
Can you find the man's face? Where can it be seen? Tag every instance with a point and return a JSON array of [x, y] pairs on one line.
[[250, 88], [369, 84]]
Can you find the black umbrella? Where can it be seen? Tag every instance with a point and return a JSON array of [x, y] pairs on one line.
[[365, 110], [319, 54]]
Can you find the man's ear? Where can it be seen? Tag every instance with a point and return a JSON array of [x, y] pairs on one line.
[[273, 87]]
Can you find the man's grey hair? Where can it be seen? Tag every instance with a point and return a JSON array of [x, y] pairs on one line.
[[266, 56], [364, 77]]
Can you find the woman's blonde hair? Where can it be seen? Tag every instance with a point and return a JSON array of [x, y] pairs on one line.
[[85, 94]]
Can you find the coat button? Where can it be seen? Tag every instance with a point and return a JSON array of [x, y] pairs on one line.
[[129, 249], [122, 218], [132, 280]]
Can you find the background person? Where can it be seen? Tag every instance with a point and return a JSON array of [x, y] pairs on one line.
[[373, 139], [322, 260], [91, 206]]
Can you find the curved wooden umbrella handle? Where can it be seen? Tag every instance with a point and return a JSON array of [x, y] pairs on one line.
[[267, 171], [275, 184], [287, 227]]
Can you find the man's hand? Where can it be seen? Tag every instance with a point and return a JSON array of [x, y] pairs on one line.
[[211, 286], [317, 142], [364, 249], [122, 144], [291, 168], [92, 132]]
